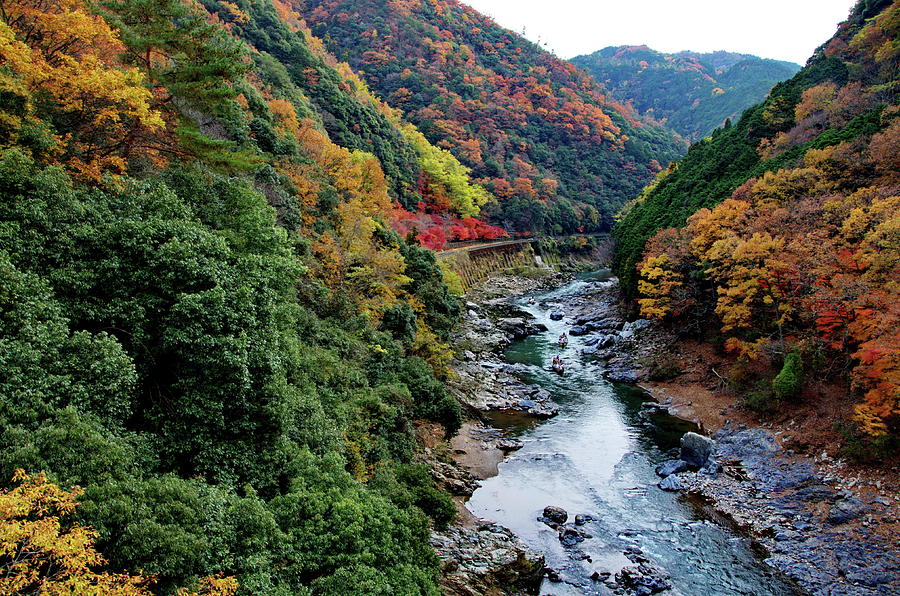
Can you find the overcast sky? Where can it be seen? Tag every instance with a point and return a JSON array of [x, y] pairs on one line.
[[780, 29]]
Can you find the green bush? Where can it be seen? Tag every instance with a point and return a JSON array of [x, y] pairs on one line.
[[787, 383]]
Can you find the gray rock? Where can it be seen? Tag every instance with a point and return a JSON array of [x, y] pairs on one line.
[[607, 341], [672, 466], [697, 450], [846, 510], [489, 559], [582, 519], [509, 444], [671, 483], [556, 316], [469, 356], [622, 374], [556, 514], [569, 535], [577, 330], [651, 407], [608, 324], [643, 579]]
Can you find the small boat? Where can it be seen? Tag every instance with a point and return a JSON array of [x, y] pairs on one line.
[[557, 366], [563, 340]]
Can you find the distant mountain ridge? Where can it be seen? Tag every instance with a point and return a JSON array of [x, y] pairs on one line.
[[690, 92]]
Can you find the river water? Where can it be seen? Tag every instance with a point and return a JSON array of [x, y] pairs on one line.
[[597, 457]]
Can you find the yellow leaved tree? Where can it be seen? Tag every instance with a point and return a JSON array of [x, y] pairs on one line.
[[61, 65], [43, 551]]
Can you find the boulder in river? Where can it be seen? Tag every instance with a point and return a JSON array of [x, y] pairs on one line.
[[570, 535], [577, 330], [582, 519], [697, 450], [672, 466], [556, 316], [556, 514], [643, 579]]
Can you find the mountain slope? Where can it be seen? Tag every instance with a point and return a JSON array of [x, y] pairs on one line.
[[781, 231], [691, 93], [538, 133], [207, 321]]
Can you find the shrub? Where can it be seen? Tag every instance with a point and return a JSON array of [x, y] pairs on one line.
[[788, 382]]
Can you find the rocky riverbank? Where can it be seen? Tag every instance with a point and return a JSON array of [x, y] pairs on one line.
[[819, 523], [826, 537], [479, 556], [815, 524]]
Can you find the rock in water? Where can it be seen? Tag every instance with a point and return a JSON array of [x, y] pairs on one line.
[[671, 483], [643, 579], [672, 466], [556, 514], [556, 316], [569, 535], [582, 519], [697, 450]]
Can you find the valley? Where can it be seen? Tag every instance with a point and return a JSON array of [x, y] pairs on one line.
[[311, 298]]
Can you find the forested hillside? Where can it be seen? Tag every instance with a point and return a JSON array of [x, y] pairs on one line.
[[691, 93], [207, 320], [539, 134], [784, 229]]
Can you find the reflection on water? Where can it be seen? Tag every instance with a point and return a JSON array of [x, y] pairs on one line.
[[598, 457]]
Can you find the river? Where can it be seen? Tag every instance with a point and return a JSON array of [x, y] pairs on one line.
[[597, 457]]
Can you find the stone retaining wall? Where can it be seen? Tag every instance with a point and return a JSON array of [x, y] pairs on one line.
[[474, 266]]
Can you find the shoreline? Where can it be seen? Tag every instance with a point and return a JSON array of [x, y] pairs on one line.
[[808, 517], [479, 556]]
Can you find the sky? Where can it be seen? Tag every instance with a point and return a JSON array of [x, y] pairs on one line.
[[781, 29]]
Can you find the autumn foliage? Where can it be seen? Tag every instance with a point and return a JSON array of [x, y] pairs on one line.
[[536, 132], [43, 550], [784, 262], [62, 65]]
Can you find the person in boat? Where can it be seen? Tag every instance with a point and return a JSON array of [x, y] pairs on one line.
[[557, 362], [563, 338], [531, 300]]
